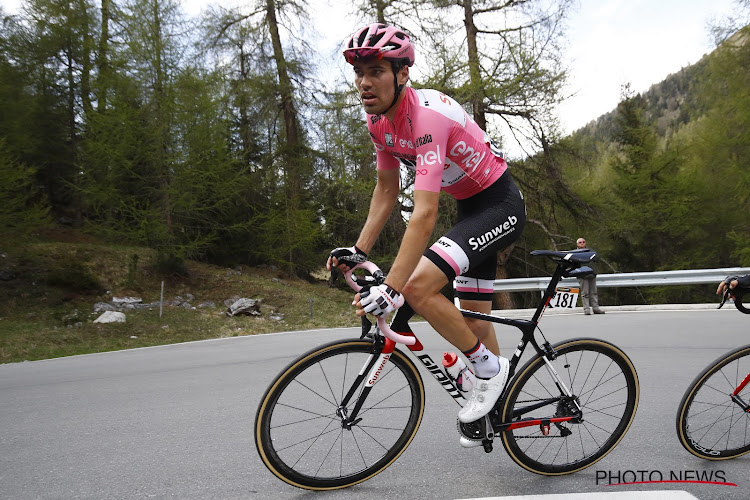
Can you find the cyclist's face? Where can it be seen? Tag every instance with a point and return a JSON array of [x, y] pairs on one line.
[[374, 80]]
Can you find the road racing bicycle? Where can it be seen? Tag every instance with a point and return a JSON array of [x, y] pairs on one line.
[[344, 411], [713, 420]]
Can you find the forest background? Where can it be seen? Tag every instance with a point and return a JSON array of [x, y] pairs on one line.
[[216, 140]]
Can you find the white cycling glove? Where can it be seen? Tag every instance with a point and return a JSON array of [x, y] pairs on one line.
[[380, 300]]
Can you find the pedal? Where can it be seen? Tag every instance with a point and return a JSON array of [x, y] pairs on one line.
[[487, 446]]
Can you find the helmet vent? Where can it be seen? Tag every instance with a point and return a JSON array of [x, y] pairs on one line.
[[374, 39]]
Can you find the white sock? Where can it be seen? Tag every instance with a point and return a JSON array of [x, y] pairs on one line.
[[485, 364]]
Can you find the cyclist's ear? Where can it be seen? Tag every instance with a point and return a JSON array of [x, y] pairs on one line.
[[402, 75]]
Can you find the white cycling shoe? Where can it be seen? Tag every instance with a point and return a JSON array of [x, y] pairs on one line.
[[485, 394]]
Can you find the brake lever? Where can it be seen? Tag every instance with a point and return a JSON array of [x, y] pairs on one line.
[[366, 327], [333, 278], [725, 297]]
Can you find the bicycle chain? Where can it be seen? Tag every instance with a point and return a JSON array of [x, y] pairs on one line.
[[538, 437]]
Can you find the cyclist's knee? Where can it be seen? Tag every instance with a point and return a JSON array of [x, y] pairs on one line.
[[426, 282], [415, 295]]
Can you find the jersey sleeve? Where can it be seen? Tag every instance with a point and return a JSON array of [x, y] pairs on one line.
[[385, 160]]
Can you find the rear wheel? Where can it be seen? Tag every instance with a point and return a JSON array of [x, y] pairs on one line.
[[710, 424], [300, 429], [604, 387]]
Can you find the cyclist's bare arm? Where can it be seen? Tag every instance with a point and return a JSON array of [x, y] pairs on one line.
[[416, 238], [384, 198], [414, 243]]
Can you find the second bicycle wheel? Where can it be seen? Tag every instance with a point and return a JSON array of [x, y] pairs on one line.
[[299, 429], [604, 385], [710, 424]]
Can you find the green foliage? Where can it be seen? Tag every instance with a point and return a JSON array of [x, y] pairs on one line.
[[24, 207], [41, 321], [668, 173], [721, 149], [71, 273], [650, 205], [132, 270], [229, 151], [171, 265]]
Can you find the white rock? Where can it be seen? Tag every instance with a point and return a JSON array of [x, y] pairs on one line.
[[245, 306], [111, 317], [126, 300]]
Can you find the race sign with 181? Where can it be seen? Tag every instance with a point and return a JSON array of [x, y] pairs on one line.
[[565, 297]]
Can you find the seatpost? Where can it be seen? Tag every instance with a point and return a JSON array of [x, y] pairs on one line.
[[549, 292]]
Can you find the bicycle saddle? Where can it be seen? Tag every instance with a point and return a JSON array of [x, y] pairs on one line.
[[576, 257]]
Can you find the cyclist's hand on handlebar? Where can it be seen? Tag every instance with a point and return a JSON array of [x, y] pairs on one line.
[[345, 258], [378, 300], [729, 282]]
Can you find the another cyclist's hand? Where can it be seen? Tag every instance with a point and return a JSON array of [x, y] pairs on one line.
[[345, 258], [379, 300], [729, 281]]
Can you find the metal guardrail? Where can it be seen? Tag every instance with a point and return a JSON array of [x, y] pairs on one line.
[[657, 278]]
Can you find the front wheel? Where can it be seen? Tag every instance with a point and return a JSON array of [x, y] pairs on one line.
[[710, 424], [302, 431], [573, 430]]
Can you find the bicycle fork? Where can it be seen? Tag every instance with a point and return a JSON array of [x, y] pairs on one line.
[[369, 374]]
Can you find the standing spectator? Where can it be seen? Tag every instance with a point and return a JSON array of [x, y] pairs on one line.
[[589, 296]]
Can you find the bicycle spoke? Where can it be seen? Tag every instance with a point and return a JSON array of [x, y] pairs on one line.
[[312, 440], [328, 454], [332, 403], [310, 437], [594, 374], [302, 421], [710, 424]]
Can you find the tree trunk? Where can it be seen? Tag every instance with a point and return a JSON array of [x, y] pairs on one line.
[[162, 120], [503, 300], [103, 58], [88, 43], [475, 77], [291, 124]]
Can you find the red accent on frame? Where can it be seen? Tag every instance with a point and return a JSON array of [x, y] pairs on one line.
[[537, 421], [417, 345], [389, 346], [742, 385]]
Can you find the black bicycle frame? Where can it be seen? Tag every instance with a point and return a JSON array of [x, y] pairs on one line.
[[527, 327]]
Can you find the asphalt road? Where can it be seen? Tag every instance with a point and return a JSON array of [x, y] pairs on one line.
[[176, 421]]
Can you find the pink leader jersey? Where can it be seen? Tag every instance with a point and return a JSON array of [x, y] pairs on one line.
[[433, 135]]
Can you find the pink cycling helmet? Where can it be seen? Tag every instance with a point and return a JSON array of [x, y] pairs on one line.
[[379, 41]]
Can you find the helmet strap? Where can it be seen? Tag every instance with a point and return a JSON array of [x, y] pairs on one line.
[[398, 88]]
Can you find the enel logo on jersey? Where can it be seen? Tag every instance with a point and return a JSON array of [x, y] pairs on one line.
[[466, 155], [430, 157]]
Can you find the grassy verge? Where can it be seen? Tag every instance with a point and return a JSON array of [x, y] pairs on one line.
[[46, 307]]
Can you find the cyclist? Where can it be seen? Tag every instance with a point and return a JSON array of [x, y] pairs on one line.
[[429, 132]]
